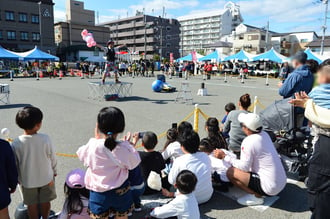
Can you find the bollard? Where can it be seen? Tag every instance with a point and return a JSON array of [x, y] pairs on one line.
[[242, 78], [37, 74], [225, 80], [11, 75], [267, 80], [255, 104], [82, 74], [196, 118]]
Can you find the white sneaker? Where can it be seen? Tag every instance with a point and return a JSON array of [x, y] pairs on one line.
[[250, 200]]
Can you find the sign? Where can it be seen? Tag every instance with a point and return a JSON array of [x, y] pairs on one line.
[[194, 56], [171, 58]]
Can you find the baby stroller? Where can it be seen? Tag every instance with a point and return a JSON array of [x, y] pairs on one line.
[[293, 143]]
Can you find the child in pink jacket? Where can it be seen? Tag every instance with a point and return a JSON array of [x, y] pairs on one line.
[[108, 163]]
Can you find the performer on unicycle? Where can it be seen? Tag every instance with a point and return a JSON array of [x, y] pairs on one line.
[[110, 51]]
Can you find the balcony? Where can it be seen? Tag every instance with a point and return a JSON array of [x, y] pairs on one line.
[[148, 40]]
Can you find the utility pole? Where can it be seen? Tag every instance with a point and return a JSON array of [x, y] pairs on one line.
[[324, 27], [161, 36], [145, 36], [267, 36], [40, 25]]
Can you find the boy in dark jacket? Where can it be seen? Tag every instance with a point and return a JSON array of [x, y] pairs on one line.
[[8, 177]]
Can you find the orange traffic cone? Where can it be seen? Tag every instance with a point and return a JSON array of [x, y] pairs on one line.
[[61, 74], [55, 73], [41, 74]]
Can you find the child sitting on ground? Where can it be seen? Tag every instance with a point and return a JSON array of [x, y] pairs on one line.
[[137, 186], [76, 200], [171, 136], [8, 177], [185, 205], [109, 162], [36, 163], [228, 108], [173, 150], [151, 160], [219, 167]]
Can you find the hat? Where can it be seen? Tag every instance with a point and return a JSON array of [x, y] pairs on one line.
[[300, 56], [110, 41], [76, 179], [251, 120]]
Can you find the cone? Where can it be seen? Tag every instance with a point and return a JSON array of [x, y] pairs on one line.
[[41, 74], [71, 72], [61, 74], [55, 73]]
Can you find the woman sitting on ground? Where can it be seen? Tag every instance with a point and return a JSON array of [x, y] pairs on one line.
[[214, 135]]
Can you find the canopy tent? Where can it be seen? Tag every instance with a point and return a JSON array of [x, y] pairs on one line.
[[6, 54], [95, 59], [212, 56], [189, 57], [37, 54], [271, 55], [312, 55], [240, 56]]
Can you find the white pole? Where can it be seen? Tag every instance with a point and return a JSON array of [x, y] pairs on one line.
[[37, 74], [11, 75], [225, 80], [255, 104], [267, 79]]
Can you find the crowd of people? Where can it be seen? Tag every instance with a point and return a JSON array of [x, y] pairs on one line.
[[236, 152]]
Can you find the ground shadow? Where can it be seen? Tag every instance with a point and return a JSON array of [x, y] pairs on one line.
[[136, 98], [13, 106], [292, 199]]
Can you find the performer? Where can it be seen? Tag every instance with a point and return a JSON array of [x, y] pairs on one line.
[[110, 51]]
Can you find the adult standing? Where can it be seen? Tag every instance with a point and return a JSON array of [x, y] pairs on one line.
[[232, 125], [301, 79], [319, 165], [259, 171], [110, 51]]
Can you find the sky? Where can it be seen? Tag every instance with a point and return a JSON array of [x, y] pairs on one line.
[[283, 15]]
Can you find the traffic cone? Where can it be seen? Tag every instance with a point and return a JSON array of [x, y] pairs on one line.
[[55, 73], [71, 72], [41, 74], [61, 74]]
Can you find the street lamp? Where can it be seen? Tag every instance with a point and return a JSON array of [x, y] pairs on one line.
[[40, 25]]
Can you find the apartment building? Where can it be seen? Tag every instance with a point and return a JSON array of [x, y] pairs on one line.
[[208, 27], [27, 23], [147, 34]]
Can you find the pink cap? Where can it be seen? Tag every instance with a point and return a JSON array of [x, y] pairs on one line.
[[76, 179]]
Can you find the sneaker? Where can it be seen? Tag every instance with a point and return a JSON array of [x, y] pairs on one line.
[[129, 214], [250, 200], [137, 207]]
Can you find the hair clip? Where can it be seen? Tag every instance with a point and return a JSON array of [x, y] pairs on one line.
[[109, 133]]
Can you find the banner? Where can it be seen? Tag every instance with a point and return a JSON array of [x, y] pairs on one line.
[[194, 56], [171, 58]]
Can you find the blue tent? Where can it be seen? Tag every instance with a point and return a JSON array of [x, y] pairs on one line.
[[214, 55], [271, 55], [240, 56], [189, 57], [311, 55], [5, 54], [37, 54]]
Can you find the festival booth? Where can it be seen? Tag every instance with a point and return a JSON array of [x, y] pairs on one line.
[[240, 56], [6, 54], [213, 57], [189, 58], [312, 55], [37, 54]]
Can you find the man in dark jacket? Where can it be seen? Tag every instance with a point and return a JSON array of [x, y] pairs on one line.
[[301, 79], [8, 177]]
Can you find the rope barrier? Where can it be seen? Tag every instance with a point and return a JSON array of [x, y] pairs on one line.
[[196, 112]]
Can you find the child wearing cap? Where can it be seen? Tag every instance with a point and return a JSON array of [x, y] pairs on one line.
[[76, 201]]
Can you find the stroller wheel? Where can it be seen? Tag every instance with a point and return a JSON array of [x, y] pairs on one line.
[[306, 181]]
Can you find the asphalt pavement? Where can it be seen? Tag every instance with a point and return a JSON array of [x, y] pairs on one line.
[[70, 117]]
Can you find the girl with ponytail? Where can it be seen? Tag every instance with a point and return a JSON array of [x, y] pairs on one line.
[[109, 161], [215, 137]]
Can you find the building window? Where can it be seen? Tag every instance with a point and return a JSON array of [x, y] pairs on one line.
[[168, 45], [304, 40], [168, 37], [22, 17], [1, 36], [263, 37], [35, 19], [253, 37], [168, 28], [11, 35], [24, 36], [10, 16], [36, 36]]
